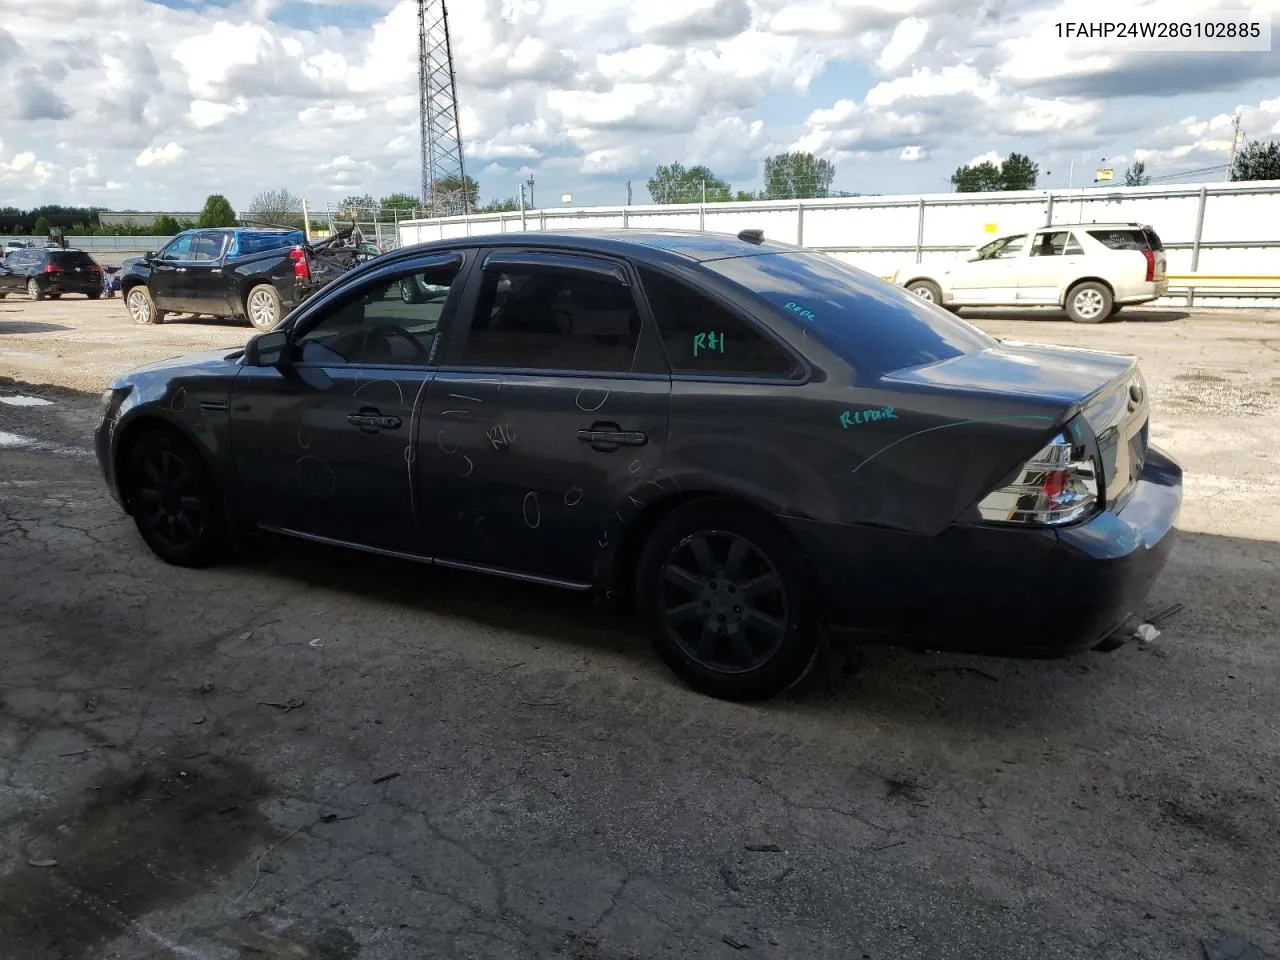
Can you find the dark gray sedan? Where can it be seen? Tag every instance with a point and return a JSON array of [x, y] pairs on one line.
[[750, 441]]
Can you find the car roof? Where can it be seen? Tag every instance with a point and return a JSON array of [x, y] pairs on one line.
[[694, 245], [1105, 225]]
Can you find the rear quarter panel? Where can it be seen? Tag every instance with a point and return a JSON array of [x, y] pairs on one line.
[[272, 266]]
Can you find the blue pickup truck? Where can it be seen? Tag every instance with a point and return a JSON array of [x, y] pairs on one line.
[[257, 274]]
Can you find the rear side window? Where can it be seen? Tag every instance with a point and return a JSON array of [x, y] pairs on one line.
[[70, 258], [1125, 239], [702, 337], [249, 241], [876, 326]]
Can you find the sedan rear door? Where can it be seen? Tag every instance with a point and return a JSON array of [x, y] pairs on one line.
[[546, 419]]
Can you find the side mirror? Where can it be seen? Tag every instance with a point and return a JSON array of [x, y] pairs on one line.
[[267, 349], [149, 256]]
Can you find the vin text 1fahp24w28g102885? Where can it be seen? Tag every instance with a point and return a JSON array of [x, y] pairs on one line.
[[748, 440]]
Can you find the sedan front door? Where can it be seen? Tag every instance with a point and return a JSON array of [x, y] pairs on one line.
[[324, 444], [546, 420]]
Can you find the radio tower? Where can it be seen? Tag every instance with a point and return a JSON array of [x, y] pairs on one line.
[[443, 176]]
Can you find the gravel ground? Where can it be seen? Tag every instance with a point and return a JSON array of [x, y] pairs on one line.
[[315, 754]]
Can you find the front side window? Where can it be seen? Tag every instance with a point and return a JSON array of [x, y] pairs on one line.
[[395, 321], [179, 248], [702, 337], [1002, 249], [552, 319]]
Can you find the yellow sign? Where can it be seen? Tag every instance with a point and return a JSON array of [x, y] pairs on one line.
[[1105, 174], [990, 228]]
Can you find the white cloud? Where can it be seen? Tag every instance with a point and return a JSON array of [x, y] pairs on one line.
[[160, 156], [906, 40], [208, 113], [912, 154], [989, 157]]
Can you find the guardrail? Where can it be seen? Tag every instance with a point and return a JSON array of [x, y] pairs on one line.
[[1223, 285]]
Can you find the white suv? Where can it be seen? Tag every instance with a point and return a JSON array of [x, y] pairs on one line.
[[1091, 269]]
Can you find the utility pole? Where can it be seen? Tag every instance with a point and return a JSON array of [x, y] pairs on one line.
[[530, 182], [628, 193], [1235, 138]]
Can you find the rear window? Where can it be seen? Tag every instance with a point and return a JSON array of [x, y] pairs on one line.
[[875, 325], [247, 241], [1143, 238], [71, 258]]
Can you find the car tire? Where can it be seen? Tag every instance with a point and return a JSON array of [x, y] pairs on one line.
[[263, 307], [926, 290], [174, 500], [141, 307], [713, 643], [93, 296], [1115, 309], [408, 292], [33, 290], [1089, 302]]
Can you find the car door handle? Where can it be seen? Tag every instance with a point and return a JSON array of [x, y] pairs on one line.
[[610, 436], [371, 421]]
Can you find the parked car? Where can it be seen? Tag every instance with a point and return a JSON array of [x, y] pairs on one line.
[[258, 274], [12, 245], [1090, 269], [746, 441], [51, 271]]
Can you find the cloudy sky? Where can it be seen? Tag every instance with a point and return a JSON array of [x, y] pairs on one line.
[[152, 104]]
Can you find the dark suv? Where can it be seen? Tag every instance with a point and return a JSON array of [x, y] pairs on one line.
[[50, 272]]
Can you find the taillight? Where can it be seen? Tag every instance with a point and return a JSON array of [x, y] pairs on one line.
[[51, 268], [1151, 265], [1058, 485], [301, 269]]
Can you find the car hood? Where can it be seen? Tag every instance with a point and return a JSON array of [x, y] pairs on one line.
[[128, 263], [197, 364]]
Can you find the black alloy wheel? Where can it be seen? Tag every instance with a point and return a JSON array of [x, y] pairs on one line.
[[728, 603], [174, 501]]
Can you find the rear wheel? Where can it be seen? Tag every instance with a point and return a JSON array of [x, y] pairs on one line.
[[1089, 302], [264, 306], [926, 290], [728, 602], [1115, 308], [174, 500], [33, 290], [93, 296], [141, 307], [409, 291]]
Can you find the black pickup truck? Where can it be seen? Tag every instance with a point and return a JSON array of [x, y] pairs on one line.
[[257, 274]]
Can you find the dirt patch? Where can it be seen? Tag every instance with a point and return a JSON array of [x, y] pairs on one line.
[[139, 842]]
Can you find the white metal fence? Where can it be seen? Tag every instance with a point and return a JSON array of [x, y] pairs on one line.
[[103, 242], [1222, 239]]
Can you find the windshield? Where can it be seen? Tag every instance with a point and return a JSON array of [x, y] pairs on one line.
[[874, 325]]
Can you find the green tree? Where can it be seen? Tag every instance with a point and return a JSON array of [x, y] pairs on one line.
[[675, 183], [361, 207], [277, 207], [398, 206], [500, 206], [41, 229], [217, 212], [796, 176], [165, 226], [449, 185], [1019, 172], [1016, 172], [744, 196], [1135, 175], [1257, 160]]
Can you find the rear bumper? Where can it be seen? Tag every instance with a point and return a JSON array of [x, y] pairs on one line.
[[1000, 591], [72, 284]]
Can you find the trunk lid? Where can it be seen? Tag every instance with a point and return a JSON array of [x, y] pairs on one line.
[[1058, 383]]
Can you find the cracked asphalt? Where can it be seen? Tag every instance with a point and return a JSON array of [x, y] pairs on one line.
[[314, 754]]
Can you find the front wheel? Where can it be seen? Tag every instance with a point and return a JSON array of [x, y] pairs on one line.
[[141, 307], [728, 602], [264, 306], [926, 290], [174, 500], [1089, 302], [93, 296]]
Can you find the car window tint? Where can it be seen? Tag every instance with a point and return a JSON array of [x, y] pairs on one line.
[[393, 322], [700, 336], [207, 246], [876, 326], [1120, 239], [255, 241], [1010, 247], [552, 319], [71, 258], [179, 249]]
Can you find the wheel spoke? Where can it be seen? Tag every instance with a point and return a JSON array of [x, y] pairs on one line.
[[682, 578], [183, 521], [702, 553], [683, 612], [761, 586], [154, 473], [742, 647], [190, 503], [150, 494], [706, 646], [770, 626], [737, 553]]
